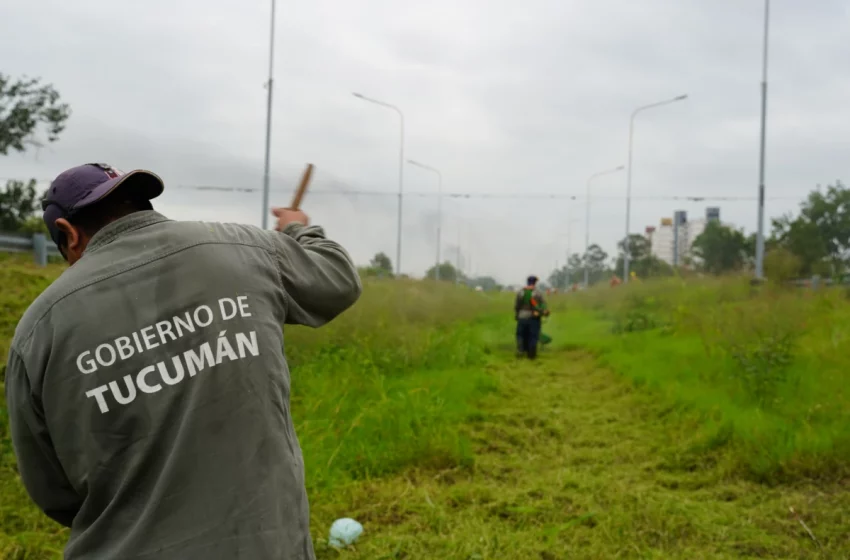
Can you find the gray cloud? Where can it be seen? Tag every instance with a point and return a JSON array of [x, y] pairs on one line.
[[501, 96]]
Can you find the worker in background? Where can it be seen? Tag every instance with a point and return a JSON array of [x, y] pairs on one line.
[[147, 388], [529, 309]]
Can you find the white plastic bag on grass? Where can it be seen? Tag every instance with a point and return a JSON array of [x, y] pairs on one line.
[[344, 532]]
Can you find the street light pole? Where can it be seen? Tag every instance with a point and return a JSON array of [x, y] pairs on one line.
[[439, 210], [269, 85], [587, 217], [629, 178], [457, 257], [760, 233], [400, 174], [570, 248]]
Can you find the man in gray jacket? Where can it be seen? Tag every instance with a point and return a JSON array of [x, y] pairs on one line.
[[147, 389]]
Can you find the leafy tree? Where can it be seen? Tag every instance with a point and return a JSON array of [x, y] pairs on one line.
[[33, 224], [382, 264], [25, 105], [487, 283], [379, 267], [820, 235], [803, 239], [652, 266], [782, 265], [639, 247], [567, 275], [558, 278], [575, 265], [594, 259], [19, 202], [448, 273], [641, 260], [720, 248], [829, 211]]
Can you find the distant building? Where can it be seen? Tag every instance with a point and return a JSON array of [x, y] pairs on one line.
[[661, 241], [681, 239], [696, 227], [674, 238]]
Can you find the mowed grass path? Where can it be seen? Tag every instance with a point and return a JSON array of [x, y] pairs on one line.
[[572, 462], [416, 419]]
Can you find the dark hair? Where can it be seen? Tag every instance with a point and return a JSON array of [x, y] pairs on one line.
[[92, 219], [532, 280]]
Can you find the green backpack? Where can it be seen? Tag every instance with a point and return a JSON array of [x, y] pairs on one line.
[[528, 299]]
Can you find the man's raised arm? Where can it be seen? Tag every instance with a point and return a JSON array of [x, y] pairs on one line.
[[318, 275]]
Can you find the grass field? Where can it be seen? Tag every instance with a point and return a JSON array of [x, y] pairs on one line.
[[763, 369], [668, 420]]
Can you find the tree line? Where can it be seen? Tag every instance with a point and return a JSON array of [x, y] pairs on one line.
[[814, 241], [31, 113], [382, 267]]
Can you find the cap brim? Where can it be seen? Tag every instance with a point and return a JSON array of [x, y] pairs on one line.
[[143, 184]]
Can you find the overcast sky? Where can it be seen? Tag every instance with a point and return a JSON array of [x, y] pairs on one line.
[[503, 97]]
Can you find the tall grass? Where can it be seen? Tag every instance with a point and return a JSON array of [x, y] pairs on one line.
[[383, 388], [758, 373], [387, 385], [763, 367]]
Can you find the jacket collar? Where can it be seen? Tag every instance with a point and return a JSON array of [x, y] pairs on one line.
[[132, 222]]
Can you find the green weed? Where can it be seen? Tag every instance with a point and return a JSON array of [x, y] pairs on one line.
[[653, 439], [762, 368], [382, 389]]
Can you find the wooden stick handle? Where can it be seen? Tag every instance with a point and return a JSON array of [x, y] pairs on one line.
[[302, 188]]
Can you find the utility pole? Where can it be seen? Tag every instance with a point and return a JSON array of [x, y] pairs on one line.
[[569, 249], [626, 247], [760, 233], [439, 210], [400, 173], [587, 219], [270, 86], [457, 257]]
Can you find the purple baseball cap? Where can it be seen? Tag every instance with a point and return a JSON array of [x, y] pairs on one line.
[[87, 184]]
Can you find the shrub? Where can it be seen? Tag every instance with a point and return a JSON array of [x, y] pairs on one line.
[[781, 265]]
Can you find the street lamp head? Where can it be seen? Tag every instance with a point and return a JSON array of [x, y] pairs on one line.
[[620, 168], [355, 94], [681, 97]]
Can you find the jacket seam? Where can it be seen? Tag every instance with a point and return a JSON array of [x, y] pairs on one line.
[[20, 357], [139, 265], [112, 236], [286, 301]]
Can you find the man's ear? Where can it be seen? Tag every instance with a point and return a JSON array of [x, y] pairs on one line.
[[72, 236]]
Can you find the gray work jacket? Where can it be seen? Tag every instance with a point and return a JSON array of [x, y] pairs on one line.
[[148, 393]]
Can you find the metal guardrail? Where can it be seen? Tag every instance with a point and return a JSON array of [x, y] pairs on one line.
[[820, 281], [23, 243]]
